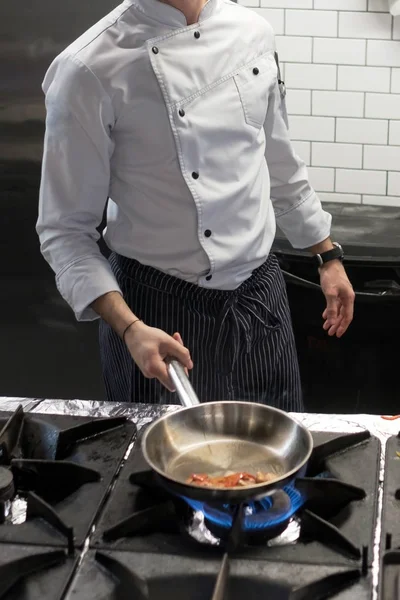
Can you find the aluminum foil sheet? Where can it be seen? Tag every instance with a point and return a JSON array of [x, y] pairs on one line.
[[11, 404], [199, 531], [15, 511], [141, 414]]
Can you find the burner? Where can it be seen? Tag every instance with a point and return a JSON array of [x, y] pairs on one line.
[[263, 519], [6, 484]]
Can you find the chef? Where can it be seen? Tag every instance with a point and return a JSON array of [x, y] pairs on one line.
[[173, 114]]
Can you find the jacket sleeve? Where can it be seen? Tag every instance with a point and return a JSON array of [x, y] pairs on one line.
[[297, 208], [75, 183]]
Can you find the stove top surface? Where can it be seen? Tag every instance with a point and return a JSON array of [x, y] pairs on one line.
[[140, 519], [391, 496], [163, 577], [390, 539], [69, 473]]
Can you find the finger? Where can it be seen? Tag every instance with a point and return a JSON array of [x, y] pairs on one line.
[[161, 373], [331, 325], [156, 368], [347, 313], [331, 329], [178, 351], [332, 307], [334, 328], [326, 325], [177, 337]]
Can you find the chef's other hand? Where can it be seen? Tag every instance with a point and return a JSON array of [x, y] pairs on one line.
[[339, 295], [150, 346]]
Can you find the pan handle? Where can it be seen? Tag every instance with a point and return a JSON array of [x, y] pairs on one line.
[[185, 391]]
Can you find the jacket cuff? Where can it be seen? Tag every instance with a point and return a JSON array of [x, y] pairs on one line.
[[307, 224], [82, 282]]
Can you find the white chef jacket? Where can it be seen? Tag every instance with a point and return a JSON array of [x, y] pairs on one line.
[[183, 129]]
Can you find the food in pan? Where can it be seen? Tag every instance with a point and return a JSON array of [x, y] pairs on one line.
[[230, 481]]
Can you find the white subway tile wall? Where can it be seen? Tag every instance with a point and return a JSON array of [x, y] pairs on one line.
[[311, 22], [317, 129], [341, 4], [395, 81], [323, 179], [365, 79], [361, 181], [339, 51], [394, 134], [386, 158], [336, 155], [291, 48], [365, 25], [361, 131], [341, 64], [394, 184], [303, 149], [349, 198], [382, 106], [396, 29], [299, 102], [304, 77], [383, 54], [339, 104], [377, 5], [275, 17]]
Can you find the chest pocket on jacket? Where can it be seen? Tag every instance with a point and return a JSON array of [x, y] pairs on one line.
[[254, 83]]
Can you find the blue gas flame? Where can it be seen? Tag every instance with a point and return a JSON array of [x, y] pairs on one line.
[[258, 515]]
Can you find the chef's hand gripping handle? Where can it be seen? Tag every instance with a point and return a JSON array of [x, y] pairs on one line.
[[186, 393]]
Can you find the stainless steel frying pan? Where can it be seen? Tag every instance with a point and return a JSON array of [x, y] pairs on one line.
[[219, 438]]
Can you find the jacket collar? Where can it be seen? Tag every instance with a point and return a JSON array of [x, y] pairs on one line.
[[170, 16]]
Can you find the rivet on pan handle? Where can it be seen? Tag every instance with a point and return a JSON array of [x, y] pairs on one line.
[[186, 393]]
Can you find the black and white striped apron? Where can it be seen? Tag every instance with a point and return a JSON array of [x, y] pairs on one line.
[[241, 342]]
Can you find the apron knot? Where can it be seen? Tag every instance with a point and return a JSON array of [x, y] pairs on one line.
[[234, 327]]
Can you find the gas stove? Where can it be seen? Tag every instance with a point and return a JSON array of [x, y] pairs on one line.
[[131, 539], [390, 541], [319, 547]]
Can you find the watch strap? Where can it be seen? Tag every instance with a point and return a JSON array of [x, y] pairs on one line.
[[335, 254]]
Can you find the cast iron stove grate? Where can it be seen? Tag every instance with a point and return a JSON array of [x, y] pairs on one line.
[[126, 575], [390, 546], [32, 572], [336, 519], [55, 471]]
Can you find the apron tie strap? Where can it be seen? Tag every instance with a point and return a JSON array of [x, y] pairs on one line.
[[234, 326]]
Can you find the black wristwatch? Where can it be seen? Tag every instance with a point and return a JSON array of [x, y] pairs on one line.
[[335, 254]]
